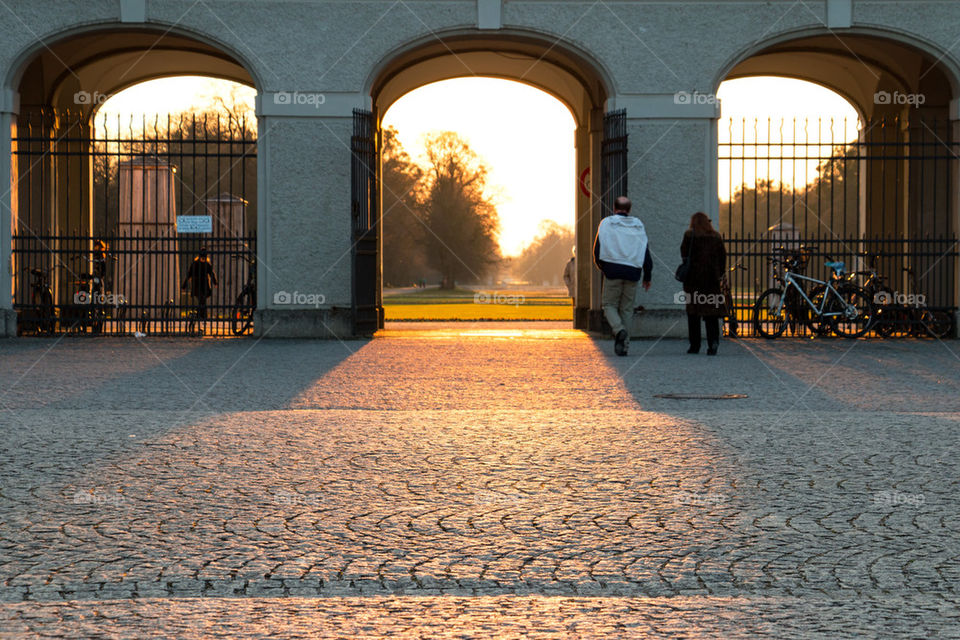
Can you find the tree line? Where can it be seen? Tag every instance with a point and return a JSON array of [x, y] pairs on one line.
[[441, 224]]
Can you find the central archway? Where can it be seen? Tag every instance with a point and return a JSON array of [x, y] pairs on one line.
[[560, 70]]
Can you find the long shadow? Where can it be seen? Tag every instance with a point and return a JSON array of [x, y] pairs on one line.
[[80, 402]]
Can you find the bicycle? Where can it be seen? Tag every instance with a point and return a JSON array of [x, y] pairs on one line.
[[41, 316], [92, 301], [843, 309], [875, 285], [913, 317], [730, 309], [246, 302]]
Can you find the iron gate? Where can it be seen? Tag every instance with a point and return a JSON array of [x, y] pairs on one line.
[[113, 213], [365, 216], [613, 159]]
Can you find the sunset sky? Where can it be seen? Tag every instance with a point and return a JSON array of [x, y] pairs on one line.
[[524, 134]]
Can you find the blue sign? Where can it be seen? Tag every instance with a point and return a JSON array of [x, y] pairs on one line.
[[194, 224]]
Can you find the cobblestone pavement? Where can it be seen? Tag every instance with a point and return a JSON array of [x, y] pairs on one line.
[[448, 482]]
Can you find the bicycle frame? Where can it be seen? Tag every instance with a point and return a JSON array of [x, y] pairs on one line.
[[790, 279]]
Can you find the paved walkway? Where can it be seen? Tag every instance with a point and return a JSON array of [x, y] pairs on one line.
[[460, 482]]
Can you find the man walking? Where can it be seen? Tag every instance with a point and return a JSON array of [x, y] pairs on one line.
[[622, 254], [570, 278]]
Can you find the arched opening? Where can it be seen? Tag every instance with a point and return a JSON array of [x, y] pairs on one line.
[[563, 73], [110, 207], [517, 140], [865, 174]]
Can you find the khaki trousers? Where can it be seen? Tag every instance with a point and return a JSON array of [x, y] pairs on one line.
[[618, 300]]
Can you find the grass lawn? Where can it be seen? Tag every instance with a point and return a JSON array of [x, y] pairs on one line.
[[467, 304]]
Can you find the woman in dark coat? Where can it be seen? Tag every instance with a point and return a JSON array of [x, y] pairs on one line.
[[201, 279], [704, 295]]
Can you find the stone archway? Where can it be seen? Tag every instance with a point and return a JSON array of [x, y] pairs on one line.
[[561, 71], [53, 93], [898, 178]]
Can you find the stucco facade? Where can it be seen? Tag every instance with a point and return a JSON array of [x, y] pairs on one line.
[[594, 56]]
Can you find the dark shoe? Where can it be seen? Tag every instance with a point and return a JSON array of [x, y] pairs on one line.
[[712, 349], [693, 350], [620, 343]]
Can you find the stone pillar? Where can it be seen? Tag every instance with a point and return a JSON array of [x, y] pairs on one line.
[[672, 174], [588, 167], [9, 107], [304, 277]]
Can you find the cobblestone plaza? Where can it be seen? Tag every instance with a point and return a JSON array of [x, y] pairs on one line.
[[495, 480]]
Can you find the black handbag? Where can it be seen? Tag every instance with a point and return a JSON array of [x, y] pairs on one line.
[[683, 270]]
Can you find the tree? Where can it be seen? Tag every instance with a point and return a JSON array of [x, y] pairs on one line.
[[461, 220], [543, 259], [404, 257], [826, 205]]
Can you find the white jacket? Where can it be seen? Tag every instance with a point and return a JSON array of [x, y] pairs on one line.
[[623, 240]]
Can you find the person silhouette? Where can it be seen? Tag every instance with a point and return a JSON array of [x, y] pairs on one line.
[[201, 279]]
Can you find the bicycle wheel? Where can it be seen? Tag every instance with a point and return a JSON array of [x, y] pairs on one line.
[[854, 311], [936, 323], [770, 314], [242, 316], [820, 324]]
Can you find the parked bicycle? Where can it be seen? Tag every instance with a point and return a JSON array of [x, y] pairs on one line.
[[832, 305], [41, 316], [908, 315], [730, 308], [93, 304], [246, 303], [875, 285]]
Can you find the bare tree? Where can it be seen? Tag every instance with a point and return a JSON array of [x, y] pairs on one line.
[[460, 217]]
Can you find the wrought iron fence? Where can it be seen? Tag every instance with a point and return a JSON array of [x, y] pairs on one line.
[[133, 284], [920, 270], [112, 213], [845, 189], [887, 177]]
